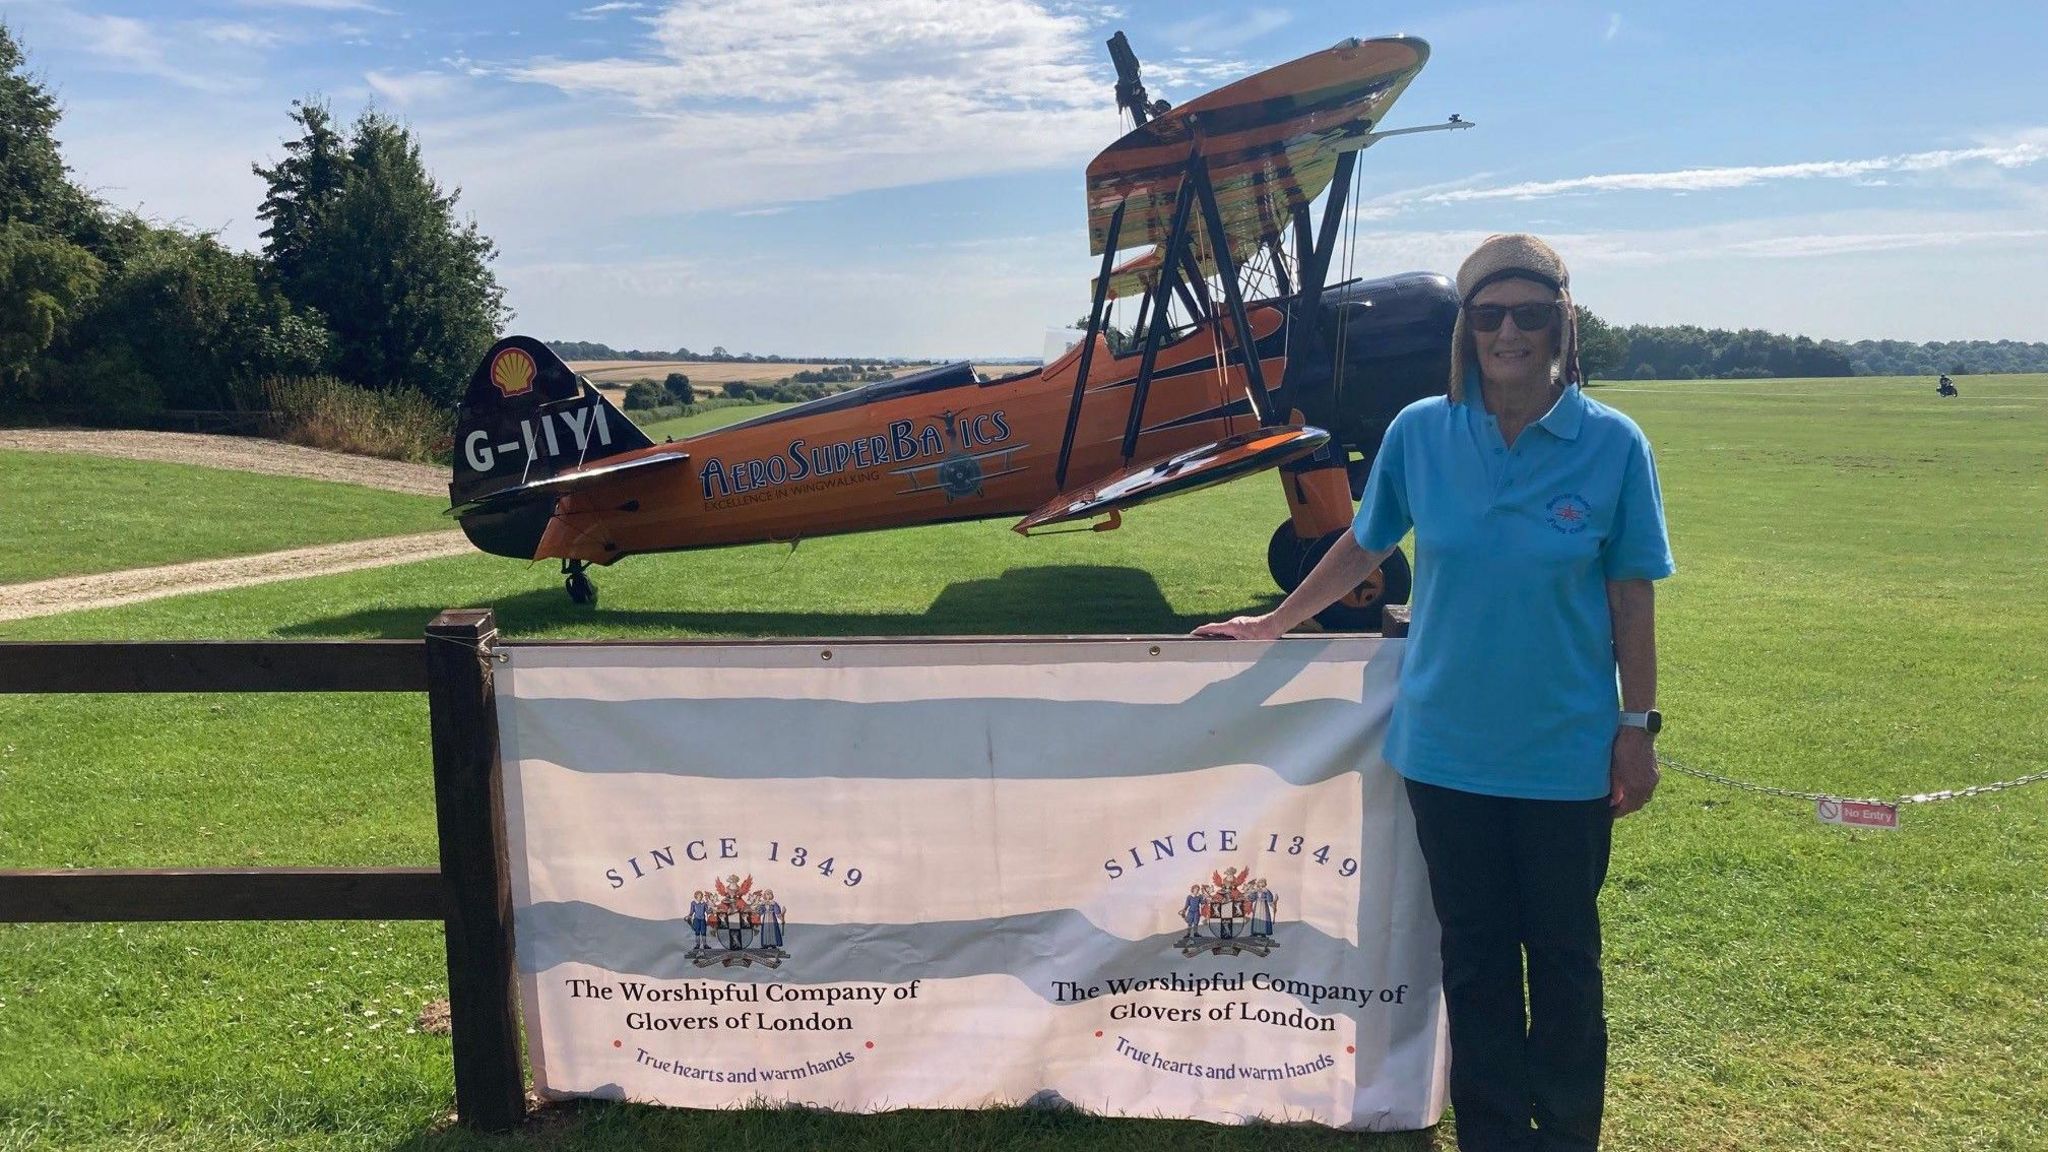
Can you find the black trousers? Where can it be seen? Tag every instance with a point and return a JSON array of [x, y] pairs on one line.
[[1510, 877]]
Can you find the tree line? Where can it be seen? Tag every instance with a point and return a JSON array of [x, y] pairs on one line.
[[1956, 357], [594, 350], [1689, 352], [366, 275]]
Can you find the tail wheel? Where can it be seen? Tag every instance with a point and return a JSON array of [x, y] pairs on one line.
[[1283, 556], [1359, 610]]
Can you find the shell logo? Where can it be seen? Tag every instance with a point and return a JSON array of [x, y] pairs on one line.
[[512, 371]]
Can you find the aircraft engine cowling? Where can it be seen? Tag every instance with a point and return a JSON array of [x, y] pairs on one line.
[[1394, 337]]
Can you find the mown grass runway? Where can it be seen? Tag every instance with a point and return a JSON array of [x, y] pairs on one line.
[[68, 515], [1858, 610]]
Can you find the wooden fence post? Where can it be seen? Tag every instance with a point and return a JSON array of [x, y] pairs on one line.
[[490, 1089]]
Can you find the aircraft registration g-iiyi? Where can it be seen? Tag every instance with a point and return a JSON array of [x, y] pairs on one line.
[[1243, 358]]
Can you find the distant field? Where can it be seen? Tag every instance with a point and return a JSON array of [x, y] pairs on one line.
[[615, 375], [683, 426]]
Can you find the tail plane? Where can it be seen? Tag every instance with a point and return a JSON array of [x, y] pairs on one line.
[[527, 432]]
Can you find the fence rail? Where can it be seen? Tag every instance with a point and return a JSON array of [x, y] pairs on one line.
[[93, 895], [469, 892]]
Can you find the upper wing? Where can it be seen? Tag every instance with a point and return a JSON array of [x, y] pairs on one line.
[[1271, 142], [1136, 276]]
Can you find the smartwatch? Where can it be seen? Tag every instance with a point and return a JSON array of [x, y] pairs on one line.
[[1651, 721]]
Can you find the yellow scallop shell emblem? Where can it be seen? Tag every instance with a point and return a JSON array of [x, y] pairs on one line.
[[512, 371]]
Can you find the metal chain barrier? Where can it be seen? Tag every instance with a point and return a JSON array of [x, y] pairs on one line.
[[1915, 798]]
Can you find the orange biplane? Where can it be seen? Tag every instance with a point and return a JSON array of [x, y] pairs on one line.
[[1242, 360]]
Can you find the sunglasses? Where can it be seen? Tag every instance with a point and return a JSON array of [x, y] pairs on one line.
[[1528, 317]]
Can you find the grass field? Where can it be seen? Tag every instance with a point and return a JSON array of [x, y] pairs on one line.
[[73, 515], [1858, 610], [683, 426]]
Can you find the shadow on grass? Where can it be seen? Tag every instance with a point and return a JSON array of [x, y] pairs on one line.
[[597, 1125], [1052, 600]]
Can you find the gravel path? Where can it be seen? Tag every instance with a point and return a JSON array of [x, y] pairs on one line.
[[107, 589], [242, 453]]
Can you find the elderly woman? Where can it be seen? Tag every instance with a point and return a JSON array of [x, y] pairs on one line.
[[1538, 530]]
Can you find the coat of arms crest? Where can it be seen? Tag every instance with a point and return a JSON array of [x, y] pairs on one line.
[[1231, 914], [736, 923]]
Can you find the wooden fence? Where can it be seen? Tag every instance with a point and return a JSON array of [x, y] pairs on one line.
[[469, 893]]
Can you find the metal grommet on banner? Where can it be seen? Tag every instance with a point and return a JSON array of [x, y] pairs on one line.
[[825, 655], [1155, 650]]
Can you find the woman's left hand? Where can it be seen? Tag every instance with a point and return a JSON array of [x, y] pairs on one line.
[[1632, 771]]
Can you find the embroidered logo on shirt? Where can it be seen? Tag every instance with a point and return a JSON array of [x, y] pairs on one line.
[[1568, 513]]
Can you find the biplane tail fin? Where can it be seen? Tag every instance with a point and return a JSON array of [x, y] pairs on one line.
[[526, 428]]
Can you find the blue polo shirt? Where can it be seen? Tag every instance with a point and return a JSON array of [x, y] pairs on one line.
[[1509, 685]]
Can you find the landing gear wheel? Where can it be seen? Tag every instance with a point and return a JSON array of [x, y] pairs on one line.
[[581, 590], [1360, 609], [1283, 556]]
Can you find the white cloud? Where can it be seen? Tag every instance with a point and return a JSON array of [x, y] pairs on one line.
[[1613, 26], [1185, 77], [1224, 29], [132, 45], [242, 35], [2017, 154], [413, 87], [1840, 243], [1871, 273], [319, 5], [745, 103], [600, 11], [998, 301], [993, 52]]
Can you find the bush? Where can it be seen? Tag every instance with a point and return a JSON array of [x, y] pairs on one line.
[[646, 394], [678, 388], [1645, 372], [322, 412]]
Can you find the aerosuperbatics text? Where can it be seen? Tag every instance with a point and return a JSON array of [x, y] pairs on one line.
[[904, 441]]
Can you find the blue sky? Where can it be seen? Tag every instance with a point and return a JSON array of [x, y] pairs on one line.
[[903, 177]]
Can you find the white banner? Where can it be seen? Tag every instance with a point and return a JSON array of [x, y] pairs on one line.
[[1167, 878]]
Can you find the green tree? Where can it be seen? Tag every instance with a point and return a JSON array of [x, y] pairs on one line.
[[405, 288], [44, 283], [35, 185], [301, 186], [1121, 340], [182, 322], [47, 277], [678, 387], [1601, 348]]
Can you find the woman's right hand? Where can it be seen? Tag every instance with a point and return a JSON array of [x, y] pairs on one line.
[[1244, 628]]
